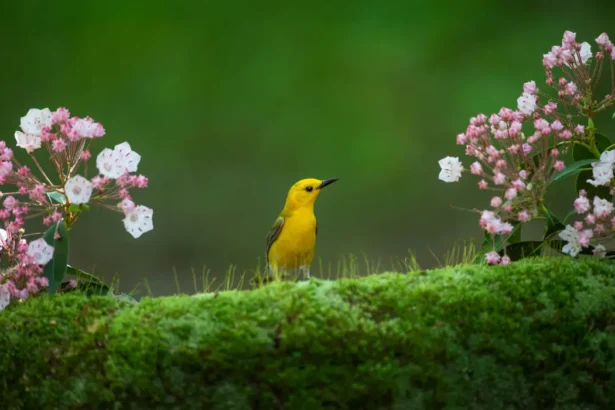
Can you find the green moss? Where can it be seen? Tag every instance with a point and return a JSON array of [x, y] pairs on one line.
[[534, 335]]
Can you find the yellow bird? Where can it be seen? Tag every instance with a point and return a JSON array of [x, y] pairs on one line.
[[291, 241]]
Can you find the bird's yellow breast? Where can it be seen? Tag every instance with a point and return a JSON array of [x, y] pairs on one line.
[[294, 247]]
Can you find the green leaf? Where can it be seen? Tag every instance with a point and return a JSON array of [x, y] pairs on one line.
[[568, 215], [553, 224], [56, 268], [572, 169], [526, 249], [75, 209], [79, 274], [88, 283], [579, 152], [56, 197], [522, 250]]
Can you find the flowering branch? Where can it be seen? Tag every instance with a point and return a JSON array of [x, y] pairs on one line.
[[60, 202], [519, 153]]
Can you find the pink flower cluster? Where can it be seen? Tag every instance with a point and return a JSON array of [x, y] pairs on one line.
[[61, 195], [518, 152], [22, 276], [68, 141]]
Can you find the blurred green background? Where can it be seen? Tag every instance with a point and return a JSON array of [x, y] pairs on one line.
[[229, 103]]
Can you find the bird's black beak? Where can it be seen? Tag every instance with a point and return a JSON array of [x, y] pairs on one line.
[[327, 182]]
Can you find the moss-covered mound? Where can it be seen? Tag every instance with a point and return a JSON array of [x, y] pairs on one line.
[[538, 334]]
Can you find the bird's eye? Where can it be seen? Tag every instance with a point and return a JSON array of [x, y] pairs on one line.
[[309, 189]]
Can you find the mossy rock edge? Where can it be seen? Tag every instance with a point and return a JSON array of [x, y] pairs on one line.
[[537, 334]]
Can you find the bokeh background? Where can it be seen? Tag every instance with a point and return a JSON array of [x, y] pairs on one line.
[[229, 103]]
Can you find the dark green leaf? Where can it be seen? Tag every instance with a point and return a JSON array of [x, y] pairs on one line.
[[79, 274], [568, 215], [56, 268], [579, 152], [522, 250], [553, 224], [515, 235], [526, 249], [88, 283], [572, 169], [56, 197], [592, 191]]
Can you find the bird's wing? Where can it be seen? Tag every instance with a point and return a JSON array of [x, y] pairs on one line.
[[273, 234]]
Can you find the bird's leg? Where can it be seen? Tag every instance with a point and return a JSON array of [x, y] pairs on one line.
[[305, 269]]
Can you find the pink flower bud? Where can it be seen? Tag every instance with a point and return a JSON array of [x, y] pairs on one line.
[[550, 108], [492, 258], [511, 193], [529, 87], [557, 125], [518, 184], [60, 115], [496, 202], [603, 39], [59, 145], [549, 60], [569, 37], [559, 166], [499, 178], [476, 168], [524, 216]]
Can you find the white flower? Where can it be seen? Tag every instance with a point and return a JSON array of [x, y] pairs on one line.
[[585, 52], [526, 103], [5, 296], [40, 251], [603, 169], [87, 128], [34, 121], [451, 169], [78, 190], [602, 207], [608, 157], [114, 164], [139, 220], [29, 142], [600, 251], [3, 238], [105, 162], [572, 236]]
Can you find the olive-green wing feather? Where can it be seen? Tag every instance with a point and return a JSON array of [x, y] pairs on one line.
[[273, 234]]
